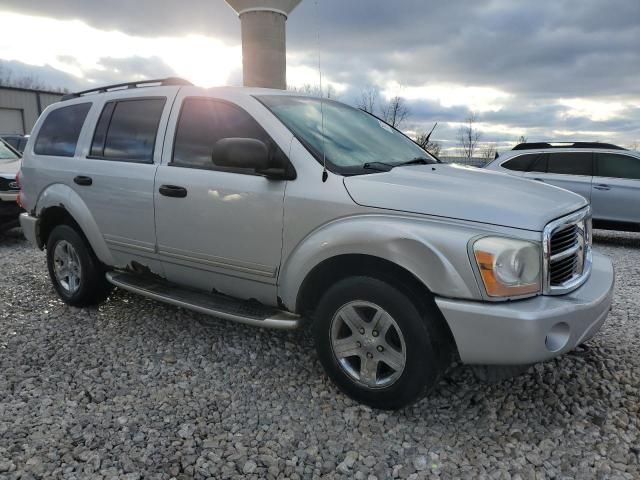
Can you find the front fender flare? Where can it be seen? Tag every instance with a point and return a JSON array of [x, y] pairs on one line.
[[435, 252], [60, 195]]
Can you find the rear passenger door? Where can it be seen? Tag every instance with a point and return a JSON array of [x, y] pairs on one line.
[[569, 170], [616, 188], [218, 228], [115, 174]]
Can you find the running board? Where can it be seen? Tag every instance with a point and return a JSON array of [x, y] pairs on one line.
[[247, 312]]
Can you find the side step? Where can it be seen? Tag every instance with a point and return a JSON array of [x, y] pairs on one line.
[[250, 313]]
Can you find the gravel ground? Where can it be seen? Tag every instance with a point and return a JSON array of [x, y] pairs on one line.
[[138, 389]]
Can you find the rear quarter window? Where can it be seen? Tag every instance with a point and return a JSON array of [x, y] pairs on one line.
[[521, 163], [59, 133]]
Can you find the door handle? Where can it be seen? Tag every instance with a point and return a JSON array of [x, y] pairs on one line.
[[539, 180], [602, 186], [83, 180], [173, 191]]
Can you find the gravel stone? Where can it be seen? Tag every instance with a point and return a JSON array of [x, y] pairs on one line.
[[138, 389], [249, 467]]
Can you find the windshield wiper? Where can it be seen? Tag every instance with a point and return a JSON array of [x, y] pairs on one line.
[[385, 167], [415, 161], [379, 166]]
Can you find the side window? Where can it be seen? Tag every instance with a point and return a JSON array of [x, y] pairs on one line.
[[196, 133], [59, 133], [127, 129], [521, 163], [203, 122], [618, 166], [571, 163], [540, 163]]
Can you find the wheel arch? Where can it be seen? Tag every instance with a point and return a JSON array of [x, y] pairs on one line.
[[432, 253], [339, 267], [59, 204]]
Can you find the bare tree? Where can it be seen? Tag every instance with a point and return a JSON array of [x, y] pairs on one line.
[[522, 139], [395, 111], [314, 90], [635, 146], [469, 136], [488, 152], [368, 99], [431, 146], [8, 79]]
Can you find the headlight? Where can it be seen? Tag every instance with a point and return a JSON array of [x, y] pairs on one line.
[[508, 267]]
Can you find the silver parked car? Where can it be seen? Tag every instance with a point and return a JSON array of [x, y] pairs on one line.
[[280, 210], [606, 175]]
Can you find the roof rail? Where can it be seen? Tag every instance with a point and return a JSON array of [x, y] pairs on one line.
[[121, 86], [545, 145]]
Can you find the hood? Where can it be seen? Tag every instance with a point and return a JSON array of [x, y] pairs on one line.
[[9, 168], [464, 193]]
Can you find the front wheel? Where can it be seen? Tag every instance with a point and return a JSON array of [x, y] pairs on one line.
[[76, 273], [378, 345]]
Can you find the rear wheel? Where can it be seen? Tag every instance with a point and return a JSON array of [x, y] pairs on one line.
[[76, 273], [378, 345]]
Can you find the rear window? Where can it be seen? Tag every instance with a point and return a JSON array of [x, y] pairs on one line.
[[127, 129], [59, 133], [571, 163]]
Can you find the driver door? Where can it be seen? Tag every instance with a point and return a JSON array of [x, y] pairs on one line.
[[219, 229]]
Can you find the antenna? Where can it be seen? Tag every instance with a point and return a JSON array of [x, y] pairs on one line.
[[429, 136], [325, 175]]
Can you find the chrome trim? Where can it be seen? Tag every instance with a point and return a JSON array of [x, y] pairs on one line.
[[8, 196], [565, 254], [587, 257]]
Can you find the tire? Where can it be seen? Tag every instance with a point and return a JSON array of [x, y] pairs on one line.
[[77, 275], [413, 334]]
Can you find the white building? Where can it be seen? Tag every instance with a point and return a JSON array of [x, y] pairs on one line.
[[21, 107]]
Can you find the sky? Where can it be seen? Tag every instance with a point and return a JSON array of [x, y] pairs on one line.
[[550, 70]]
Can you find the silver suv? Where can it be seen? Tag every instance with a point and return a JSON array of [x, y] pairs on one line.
[[279, 210], [606, 175]]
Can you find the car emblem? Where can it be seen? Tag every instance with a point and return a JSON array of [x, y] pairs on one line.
[[14, 186]]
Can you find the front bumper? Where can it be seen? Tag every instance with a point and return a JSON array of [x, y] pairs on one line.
[[532, 330], [9, 209]]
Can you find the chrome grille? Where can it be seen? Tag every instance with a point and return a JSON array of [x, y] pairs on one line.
[[567, 246], [7, 184]]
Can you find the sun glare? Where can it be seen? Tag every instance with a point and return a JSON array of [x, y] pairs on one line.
[[78, 49]]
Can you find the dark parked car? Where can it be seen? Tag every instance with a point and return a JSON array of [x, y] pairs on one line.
[[9, 166]]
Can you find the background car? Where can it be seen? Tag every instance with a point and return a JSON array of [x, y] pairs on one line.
[[9, 166], [607, 175], [16, 141]]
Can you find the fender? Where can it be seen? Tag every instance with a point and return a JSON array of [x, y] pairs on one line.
[[60, 195], [434, 251]]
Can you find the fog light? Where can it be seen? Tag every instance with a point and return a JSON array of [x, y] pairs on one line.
[[558, 337]]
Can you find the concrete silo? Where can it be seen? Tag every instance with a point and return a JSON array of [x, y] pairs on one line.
[[264, 40]]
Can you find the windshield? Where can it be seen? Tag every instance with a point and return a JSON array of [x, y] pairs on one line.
[[6, 153], [352, 138]]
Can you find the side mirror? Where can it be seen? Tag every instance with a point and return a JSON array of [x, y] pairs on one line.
[[241, 153], [251, 153]]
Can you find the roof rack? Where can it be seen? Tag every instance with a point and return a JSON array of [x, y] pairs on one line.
[[121, 86], [544, 145]]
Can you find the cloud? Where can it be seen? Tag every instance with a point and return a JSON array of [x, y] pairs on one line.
[[550, 68]]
